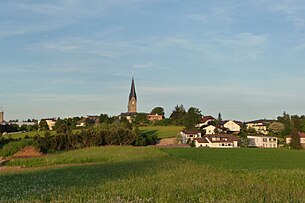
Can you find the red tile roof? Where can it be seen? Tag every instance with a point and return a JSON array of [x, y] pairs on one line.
[[191, 131], [206, 118], [201, 140]]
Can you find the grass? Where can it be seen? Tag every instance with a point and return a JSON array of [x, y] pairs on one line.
[[242, 158], [162, 131], [30, 134], [147, 174]]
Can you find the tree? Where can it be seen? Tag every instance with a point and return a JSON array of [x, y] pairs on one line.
[[158, 110], [104, 118], [140, 118], [295, 137], [219, 118], [178, 115], [276, 128], [286, 120], [43, 125], [192, 118]]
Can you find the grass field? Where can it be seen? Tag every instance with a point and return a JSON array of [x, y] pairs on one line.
[[148, 174], [30, 134], [162, 131]]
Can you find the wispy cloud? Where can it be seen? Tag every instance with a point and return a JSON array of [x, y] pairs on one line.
[[293, 9]]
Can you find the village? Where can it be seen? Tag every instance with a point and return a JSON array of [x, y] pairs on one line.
[[200, 130]]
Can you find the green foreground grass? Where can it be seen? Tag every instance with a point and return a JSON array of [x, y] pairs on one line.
[[162, 131], [148, 174]]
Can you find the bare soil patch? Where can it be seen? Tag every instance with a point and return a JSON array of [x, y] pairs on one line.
[[28, 152]]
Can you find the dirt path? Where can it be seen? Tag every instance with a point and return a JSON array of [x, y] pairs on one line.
[[167, 141], [5, 169]]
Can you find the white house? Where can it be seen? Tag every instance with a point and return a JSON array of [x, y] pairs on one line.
[[189, 134], [50, 122], [262, 141], [209, 129], [259, 126], [302, 139], [231, 126], [217, 141]]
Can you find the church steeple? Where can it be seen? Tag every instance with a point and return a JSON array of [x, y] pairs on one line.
[[132, 102], [132, 90]]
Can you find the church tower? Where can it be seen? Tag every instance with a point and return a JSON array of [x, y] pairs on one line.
[[132, 102]]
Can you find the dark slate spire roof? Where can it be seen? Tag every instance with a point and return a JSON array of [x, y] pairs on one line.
[[132, 90]]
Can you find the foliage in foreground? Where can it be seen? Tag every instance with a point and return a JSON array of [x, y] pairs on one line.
[[148, 175]]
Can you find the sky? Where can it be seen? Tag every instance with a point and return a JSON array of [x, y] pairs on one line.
[[243, 58]]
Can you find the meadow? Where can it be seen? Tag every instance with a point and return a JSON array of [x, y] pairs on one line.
[[162, 131], [149, 174]]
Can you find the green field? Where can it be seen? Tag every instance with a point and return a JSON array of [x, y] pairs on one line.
[[30, 134], [148, 174], [162, 131]]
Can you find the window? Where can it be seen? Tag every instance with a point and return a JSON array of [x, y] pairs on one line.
[[264, 139]]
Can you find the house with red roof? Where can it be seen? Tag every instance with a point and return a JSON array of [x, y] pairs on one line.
[[205, 121], [217, 141]]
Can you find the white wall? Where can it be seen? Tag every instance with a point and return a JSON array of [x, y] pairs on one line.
[[262, 141], [232, 126]]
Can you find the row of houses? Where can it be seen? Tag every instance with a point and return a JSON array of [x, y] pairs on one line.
[[211, 133], [226, 140]]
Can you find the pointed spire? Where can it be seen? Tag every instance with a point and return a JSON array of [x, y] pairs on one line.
[[132, 90]]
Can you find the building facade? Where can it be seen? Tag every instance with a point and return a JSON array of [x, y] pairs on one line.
[[217, 141], [262, 141], [1, 116]]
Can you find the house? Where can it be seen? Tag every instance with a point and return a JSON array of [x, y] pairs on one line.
[[217, 141], [51, 123], [210, 129], [205, 121], [23, 123], [302, 139], [259, 126], [262, 141], [154, 117], [232, 126], [189, 135], [87, 120]]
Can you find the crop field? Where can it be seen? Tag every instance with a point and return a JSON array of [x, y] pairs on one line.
[[148, 174], [162, 131]]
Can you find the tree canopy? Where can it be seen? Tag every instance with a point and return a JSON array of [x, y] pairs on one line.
[[158, 110]]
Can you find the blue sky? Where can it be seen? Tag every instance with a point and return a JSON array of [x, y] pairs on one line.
[[242, 58]]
